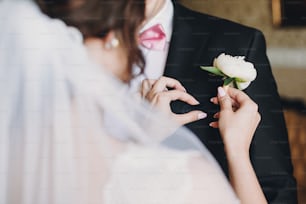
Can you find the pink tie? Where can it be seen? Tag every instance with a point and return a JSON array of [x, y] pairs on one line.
[[153, 38]]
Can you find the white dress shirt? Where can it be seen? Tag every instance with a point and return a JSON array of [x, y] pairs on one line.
[[155, 59]]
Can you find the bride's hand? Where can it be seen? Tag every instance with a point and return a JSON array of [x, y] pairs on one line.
[[157, 93], [238, 119]]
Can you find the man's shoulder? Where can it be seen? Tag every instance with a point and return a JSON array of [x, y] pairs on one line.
[[200, 20]]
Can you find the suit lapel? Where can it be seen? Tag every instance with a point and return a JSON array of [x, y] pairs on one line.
[[186, 42], [188, 52], [189, 49]]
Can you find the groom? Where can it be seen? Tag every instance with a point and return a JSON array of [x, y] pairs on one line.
[[192, 39]]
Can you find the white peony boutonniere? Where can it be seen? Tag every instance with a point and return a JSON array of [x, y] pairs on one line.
[[236, 72]]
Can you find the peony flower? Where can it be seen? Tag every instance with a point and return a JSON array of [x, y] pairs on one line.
[[235, 70]]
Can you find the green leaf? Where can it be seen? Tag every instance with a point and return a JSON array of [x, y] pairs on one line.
[[240, 80], [236, 85], [213, 70], [227, 81]]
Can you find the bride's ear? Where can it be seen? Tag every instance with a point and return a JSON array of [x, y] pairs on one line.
[[111, 41]]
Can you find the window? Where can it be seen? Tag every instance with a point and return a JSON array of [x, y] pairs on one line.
[[289, 12]]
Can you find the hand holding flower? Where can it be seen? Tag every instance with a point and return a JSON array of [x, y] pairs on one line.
[[237, 127], [238, 120]]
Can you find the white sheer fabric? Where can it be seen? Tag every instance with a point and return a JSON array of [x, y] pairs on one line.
[[55, 146]]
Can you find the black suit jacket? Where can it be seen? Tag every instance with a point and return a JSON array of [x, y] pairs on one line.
[[197, 39]]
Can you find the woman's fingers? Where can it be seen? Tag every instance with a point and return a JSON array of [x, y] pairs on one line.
[[166, 82], [214, 124], [146, 86], [150, 87], [158, 94], [173, 95], [162, 101], [189, 117], [224, 100], [216, 115], [215, 101], [258, 118], [236, 126], [244, 101], [239, 96]]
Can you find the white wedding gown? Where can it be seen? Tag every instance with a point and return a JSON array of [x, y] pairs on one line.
[[70, 134]]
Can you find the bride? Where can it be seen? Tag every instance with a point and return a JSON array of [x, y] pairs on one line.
[[69, 132]]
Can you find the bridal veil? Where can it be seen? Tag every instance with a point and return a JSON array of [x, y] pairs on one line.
[[69, 132]]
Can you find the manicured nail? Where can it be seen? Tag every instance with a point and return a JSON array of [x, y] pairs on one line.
[[202, 115], [212, 100], [213, 125], [221, 92]]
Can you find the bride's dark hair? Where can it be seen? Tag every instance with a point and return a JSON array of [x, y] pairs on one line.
[[95, 18]]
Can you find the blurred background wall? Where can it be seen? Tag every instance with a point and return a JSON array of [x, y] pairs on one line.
[[286, 49], [286, 46]]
